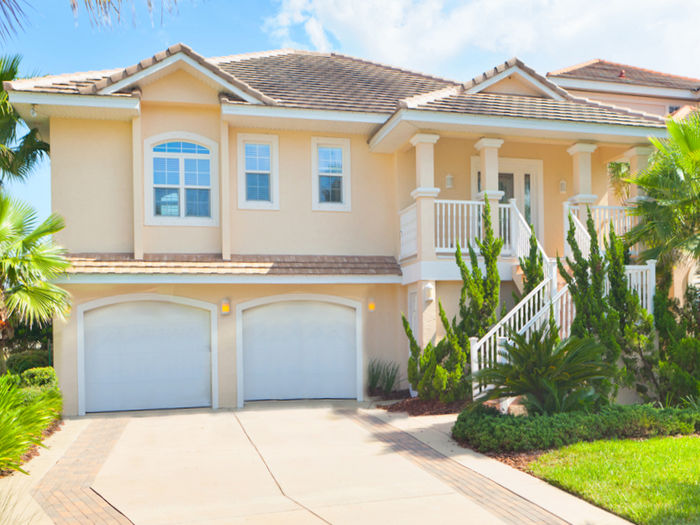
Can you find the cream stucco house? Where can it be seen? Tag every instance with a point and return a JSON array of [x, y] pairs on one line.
[[252, 226]]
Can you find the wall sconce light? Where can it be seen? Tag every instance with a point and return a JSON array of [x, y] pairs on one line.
[[32, 110], [371, 305], [429, 293], [449, 181], [225, 306], [562, 186]]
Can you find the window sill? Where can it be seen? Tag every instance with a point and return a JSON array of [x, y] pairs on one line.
[[182, 221], [258, 205], [317, 206]]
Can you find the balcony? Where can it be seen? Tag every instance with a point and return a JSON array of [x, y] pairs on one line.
[[603, 217]]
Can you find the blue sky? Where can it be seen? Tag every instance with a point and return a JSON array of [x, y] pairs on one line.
[[455, 39]]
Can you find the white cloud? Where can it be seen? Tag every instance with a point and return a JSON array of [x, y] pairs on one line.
[[446, 36]]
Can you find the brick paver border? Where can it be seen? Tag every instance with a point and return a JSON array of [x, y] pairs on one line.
[[501, 502], [65, 493]]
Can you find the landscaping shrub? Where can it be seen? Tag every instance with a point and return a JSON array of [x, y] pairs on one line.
[[18, 363], [487, 430], [24, 414], [382, 377], [551, 375], [43, 376]]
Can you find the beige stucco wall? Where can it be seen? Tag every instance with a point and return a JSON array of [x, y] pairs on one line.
[[382, 331], [91, 184], [653, 105]]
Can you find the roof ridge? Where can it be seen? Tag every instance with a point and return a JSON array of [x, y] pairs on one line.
[[388, 66], [423, 98], [250, 55], [573, 67]]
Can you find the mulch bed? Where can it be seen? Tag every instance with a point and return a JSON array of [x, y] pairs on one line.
[[519, 460], [35, 449], [423, 407]]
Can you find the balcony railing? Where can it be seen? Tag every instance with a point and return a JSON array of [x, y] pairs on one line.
[[603, 217]]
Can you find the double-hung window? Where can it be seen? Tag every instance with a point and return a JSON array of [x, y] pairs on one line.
[[258, 171], [331, 174], [181, 180]]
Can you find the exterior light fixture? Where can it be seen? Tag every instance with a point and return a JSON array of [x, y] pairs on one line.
[[562, 186], [371, 305], [429, 293], [225, 306], [449, 181], [32, 110]]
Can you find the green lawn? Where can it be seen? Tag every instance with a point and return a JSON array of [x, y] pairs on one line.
[[655, 481]]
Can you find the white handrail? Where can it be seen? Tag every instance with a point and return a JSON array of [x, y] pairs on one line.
[[522, 241], [457, 222], [583, 239]]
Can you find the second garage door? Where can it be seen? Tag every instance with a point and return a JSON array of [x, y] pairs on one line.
[[298, 350]]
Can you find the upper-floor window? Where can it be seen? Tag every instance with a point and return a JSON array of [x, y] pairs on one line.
[[331, 173], [180, 183], [258, 171]]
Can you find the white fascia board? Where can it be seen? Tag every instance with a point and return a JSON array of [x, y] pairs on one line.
[[171, 60], [303, 114], [386, 128], [140, 278], [425, 118], [627, 89], [537, 84], [62, 99], [446, 270]]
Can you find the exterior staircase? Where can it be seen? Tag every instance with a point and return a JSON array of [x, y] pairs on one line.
[[551, 294]]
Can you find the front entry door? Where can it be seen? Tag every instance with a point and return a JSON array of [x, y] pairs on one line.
[[506, 184]]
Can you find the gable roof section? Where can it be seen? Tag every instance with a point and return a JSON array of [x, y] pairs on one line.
[[603, 70], [515, 66]]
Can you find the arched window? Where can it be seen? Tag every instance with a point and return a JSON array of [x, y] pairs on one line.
[[182, 180]]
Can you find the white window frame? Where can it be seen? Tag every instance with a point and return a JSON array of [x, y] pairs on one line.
[[150, 218], [259, 138], [316, 205]]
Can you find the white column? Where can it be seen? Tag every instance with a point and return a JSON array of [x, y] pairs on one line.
[[488, 151], [583, 178], [638, 158], [137, 186], [425, 194], [224, 162]]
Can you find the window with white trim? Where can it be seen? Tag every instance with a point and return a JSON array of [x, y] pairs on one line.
[[331, 174], [258, 171], [181, 180]]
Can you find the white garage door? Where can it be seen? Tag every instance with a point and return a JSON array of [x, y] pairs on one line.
[[299, 349], [147, 354]]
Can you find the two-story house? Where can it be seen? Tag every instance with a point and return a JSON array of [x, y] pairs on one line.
[[252, 226]]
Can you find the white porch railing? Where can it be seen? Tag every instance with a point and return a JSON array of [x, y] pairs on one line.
[[505, 229], [583, 239], [457, 222], [603, 217], [409, 232]]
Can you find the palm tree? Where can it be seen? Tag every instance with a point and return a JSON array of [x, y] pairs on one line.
[[669, 216], [18, 155], [551, 375], [29, 261]]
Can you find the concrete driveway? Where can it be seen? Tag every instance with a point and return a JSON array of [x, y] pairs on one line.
[[308, 462]]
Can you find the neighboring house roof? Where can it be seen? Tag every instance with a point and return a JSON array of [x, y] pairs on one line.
[[684, 112], [572, 109], [206, 264], [603, 70]]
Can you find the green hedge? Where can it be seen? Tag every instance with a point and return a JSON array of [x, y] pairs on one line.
[[487, 430], [43, 377], [21, 361]]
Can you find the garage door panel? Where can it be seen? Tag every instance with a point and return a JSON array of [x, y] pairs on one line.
[[147, 354], [299, 349]]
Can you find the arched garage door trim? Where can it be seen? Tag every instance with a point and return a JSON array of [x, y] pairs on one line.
[[242, 307], [116, 299]]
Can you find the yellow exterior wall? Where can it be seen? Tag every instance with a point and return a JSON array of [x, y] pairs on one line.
[[91, 184], [653, 105], [382, 332]]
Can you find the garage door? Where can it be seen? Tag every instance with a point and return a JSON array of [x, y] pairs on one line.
[[299, 349], [147, 354]]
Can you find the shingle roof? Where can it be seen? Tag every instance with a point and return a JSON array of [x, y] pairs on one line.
[[604, 70], [330, 81], [203, 264], [572, 109]]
